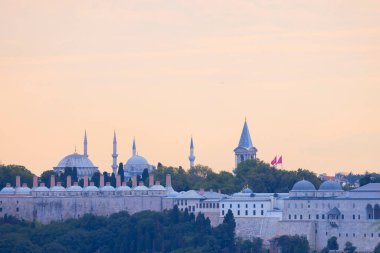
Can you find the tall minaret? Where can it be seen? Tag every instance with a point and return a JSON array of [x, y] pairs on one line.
[[134, 147], [191, 157], [85, 144], [114, 154]]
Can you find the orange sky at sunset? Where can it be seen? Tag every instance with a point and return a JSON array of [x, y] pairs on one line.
[[306, 74]]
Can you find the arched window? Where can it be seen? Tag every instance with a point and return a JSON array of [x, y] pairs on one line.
[[369, 211], [376, 212], [241, 158]]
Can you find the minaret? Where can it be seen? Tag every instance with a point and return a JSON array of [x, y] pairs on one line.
[[134, 147], [85, 144], [114, 154], [191, 157]]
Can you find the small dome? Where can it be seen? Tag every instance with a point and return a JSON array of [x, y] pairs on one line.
[[23, 190], [123, 188], [303, 185], [330, 185], [7, 190], [141, 188], [137, 160], [91, 188], [107, 188], [41, 188], [157, 188], [75, 188], [247, 190], [57, 188]]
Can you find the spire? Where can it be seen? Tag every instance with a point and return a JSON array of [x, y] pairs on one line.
[[85, 144], [114, 154], [191, 156], [134, 147], [245, 138]]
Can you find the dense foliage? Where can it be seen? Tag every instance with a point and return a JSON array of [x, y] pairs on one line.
[[8, 174], [349, 248], [332, 243], [293, 244], [169, 231], [259, 176]]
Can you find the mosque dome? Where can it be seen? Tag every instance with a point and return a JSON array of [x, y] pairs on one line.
[[137, 160], [91, 188], [303, 185], [82, 163], [157, 188], [107, 188], [7, 190], [57, 188], [41, 188], [330, 185], [123, 188], [141, 188], [247, 190]]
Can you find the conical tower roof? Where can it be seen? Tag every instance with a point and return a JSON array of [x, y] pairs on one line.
[[245, 138]]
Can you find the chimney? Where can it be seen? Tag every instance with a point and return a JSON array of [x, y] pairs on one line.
[[124, 183], [18, 181], [118, 181], [168, 180], [134, 181], [201, 191], [157, 182], [101, 183], [68, 181], [92, 183], [85, 181], [151, 180], [141, 183], [35, 181], [52, 181]]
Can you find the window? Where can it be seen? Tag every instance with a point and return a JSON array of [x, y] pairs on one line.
[[300, 216], [238, 212], [213, 205], [317, 216], [254, 205], [326, 233], [1, 209], [186, 202], [181, 202], [353, 234], [308, 206], [230, 205], [371, 234], [246, 205], [353, 216], [365, 235], [246, 212], [197, 205], [342, 216], [238, 205], [309, 217], [346, 234], [358, 216], [223, 212], [339, 234], [323, 216], [17, 209], [254, 213], [290, 217], [295, 216], [206, 205], [217, 205], [262, 205], [262, 212], [193, 208]]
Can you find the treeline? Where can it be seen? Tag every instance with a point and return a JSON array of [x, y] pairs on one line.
[[258, 175], [145, 232]]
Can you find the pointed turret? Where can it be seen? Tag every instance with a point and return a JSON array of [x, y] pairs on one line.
[[85, 144], [114, 154], [191, 157], [134, 147], [245, 149]]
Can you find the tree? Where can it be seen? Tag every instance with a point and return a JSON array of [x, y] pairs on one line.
[[145, 176], [96, 178], [8, 174], [332, 243], [120, 171], [349, 248], [293, 244], [377, 248], [46, 175]]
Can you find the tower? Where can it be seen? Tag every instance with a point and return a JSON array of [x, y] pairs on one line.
[[85, 144], [245, 150], [134, 147], [114, 154], [191, 157]]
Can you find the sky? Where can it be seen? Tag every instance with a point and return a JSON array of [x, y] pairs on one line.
[[305, 75]]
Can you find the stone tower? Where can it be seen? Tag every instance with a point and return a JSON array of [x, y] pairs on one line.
[[114, 154], [245, 150], [191, 156]]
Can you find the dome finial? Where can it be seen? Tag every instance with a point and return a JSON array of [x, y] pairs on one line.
[[75, 149]]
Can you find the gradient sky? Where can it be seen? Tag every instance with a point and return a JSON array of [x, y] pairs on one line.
[[306, 74]]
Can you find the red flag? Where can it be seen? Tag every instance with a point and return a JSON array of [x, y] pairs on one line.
[[274, 162], [279, 160]]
